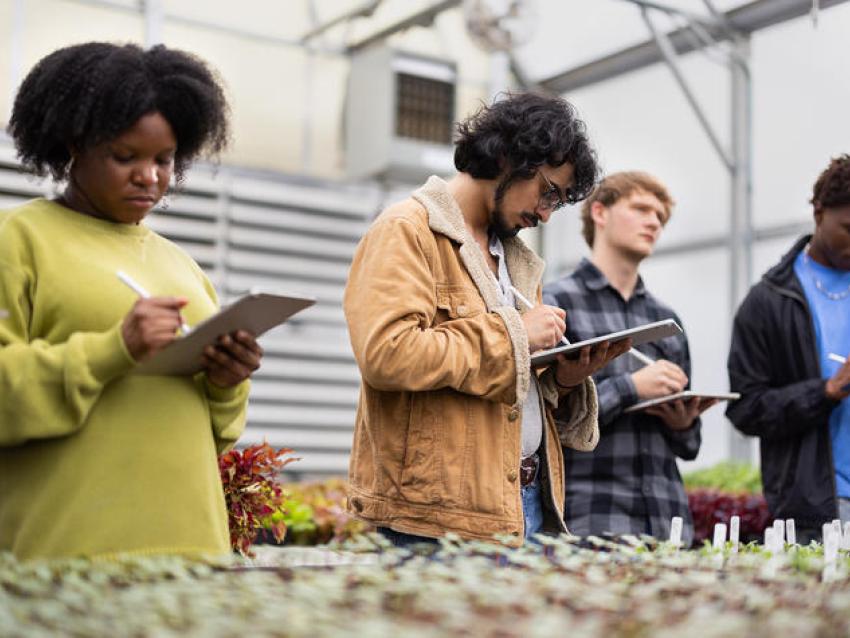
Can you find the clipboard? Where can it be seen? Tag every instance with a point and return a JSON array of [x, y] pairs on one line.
[[641, 334], [255, 313], [687, 394]]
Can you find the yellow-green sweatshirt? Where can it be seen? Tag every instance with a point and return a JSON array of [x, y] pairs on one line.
[[96, 460]]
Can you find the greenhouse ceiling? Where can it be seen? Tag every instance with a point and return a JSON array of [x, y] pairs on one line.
[[565, 43]]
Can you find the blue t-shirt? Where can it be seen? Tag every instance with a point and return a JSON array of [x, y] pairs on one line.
[[831, 318]]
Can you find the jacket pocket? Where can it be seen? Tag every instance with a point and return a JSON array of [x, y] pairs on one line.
[[422, 467], [479, 477], [457, 302]]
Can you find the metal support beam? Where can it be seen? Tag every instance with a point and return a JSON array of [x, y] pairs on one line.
[[247, 34], [16, 53], [309, 70], [670, 57], [363, 11], [422, 18], [741, 203], [781, 231], [500, 72], [664, 8], [745, 19], [720, 18], [521, 77], [787, 231], [154, 19], [741, 216]]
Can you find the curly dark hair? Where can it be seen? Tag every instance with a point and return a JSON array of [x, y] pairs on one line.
[[85, 94], [518, 134], [832, 187]]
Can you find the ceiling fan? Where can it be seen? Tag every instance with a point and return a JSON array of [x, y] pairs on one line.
[[500, 25]]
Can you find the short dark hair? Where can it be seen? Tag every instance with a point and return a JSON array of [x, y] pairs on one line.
[[82, 95], [832, 187], [518, 134]]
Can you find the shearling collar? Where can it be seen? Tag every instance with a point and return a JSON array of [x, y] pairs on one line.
[[445, 218]]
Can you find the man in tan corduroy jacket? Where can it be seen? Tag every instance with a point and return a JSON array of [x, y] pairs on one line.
[[455, 432]]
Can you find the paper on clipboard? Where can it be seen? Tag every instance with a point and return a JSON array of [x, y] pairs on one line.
[[687, 394], [641, 334], [255, 313]]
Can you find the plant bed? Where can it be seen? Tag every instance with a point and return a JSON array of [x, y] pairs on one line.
[[595, 587]]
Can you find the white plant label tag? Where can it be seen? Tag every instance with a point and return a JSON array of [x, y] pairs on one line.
[[719, 535], [676, 531], [735, 532], [790, 531]]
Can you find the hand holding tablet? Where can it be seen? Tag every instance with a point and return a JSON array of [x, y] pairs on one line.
[[571, 371], [705, 399], [641, 334], [254, 314]]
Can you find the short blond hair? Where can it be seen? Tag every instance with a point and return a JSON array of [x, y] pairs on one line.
[[616, 186]]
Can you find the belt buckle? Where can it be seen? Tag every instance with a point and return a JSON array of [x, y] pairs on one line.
[[528, 469]]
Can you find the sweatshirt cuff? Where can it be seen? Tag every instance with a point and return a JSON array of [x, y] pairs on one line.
[[107, 354], [225, 395]]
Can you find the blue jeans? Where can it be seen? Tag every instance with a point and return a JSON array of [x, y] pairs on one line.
[[532, 508], [403, 539]]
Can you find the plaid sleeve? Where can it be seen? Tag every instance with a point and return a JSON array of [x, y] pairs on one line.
[[686, 443], [615, 393]]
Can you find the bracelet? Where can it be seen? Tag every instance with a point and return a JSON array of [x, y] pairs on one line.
[[563, 387]]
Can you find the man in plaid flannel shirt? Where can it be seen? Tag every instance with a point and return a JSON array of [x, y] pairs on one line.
[[630, 483]]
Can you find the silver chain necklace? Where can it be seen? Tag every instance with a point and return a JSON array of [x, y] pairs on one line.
[[832, 296]]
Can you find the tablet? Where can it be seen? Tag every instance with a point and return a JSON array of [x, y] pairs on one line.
[[256, 313], [687, 394], [642, 334]]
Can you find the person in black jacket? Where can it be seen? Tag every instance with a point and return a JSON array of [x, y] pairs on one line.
[[789, 336]]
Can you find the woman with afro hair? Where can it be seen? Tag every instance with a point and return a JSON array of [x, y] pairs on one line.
[[96, 460]]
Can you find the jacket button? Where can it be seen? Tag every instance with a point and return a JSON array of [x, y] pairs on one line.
[[461, 310], [513, 415], [512, 475]]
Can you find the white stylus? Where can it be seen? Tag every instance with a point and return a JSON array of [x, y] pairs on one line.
[[133, 285]]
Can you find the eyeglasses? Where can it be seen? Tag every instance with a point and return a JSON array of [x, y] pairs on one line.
[[551, 199]]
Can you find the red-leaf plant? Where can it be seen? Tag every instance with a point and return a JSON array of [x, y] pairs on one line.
[[710, 506], [252, 492]]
